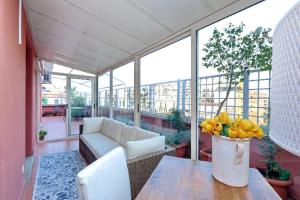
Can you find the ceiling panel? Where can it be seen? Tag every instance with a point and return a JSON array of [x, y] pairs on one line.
[[67, 53], [62, 58], [79, 20], [176, 13], [125, 18], [72, 46], [66, 33], [97, 34]]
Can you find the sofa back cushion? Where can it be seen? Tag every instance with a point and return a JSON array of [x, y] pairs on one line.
[[142, 134], [92, 124], [143, 147], [112, 129], [128, 134]]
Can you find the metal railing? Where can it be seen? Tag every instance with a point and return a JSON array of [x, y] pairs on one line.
[[249, 98]]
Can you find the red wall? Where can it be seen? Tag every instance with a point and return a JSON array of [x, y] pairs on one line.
[[12, 101], [31, 99]]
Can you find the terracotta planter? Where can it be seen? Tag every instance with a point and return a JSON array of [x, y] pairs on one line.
[[181, 150], [41, 138], [205, 154], [281, 187]]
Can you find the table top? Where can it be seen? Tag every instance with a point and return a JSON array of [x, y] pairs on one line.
[[178, 178]]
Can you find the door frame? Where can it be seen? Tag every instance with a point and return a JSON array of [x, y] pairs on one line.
[[68, 113]]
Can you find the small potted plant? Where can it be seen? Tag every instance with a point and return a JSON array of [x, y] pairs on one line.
[[277, 177], [42, 134], [180, 142], [231, 147], [181, 138]]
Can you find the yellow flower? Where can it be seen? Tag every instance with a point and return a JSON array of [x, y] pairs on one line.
[[233, 133], [242, 128], [258, 132], [246, 125], [223, 118], [211, 126]]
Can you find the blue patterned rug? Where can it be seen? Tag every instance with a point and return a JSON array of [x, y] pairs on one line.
[[56, 176]]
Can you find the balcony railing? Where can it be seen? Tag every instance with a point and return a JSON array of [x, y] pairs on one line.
[[249, 98]]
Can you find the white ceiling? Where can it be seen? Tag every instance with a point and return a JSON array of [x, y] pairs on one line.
[[95, 34]]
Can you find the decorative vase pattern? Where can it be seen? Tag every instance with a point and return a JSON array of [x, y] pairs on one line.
[[230, 160]]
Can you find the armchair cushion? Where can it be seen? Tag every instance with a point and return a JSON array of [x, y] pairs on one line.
[[92, 124], [143, 147]]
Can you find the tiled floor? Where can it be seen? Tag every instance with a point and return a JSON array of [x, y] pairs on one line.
[[42, 149], [57, 127]]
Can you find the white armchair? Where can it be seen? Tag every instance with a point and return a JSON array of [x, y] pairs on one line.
[[105, 179]]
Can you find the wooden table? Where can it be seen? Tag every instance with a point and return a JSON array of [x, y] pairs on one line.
[[178, 178]]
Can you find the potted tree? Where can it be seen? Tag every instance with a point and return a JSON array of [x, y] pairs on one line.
[[181, 138], [277, 177], [234, 53], [42, 134]]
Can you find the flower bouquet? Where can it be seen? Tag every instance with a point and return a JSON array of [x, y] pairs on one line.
[[231, 147]]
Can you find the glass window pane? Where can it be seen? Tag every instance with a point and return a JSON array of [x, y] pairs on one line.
[[216, 62], [103, 94], [123, 94], [165, 92]]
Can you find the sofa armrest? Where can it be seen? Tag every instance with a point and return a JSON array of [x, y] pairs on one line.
[[80, 129], [141, 168]]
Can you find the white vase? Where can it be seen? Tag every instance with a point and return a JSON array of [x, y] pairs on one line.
[[230, 160]]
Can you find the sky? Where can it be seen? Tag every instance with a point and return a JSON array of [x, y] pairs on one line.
[[173, 62]]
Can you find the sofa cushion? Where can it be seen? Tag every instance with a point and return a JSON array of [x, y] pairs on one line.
[[142, 134], [98, 143], [112, 129], [92, 124], [142, 147], [128, 134]]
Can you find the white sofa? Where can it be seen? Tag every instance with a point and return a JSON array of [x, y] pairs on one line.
[[143, 149], [101, 135]]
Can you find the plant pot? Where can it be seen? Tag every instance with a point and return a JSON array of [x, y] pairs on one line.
[[205, 154], [181, 150], [230, 160], [281, 187], [41, 138]]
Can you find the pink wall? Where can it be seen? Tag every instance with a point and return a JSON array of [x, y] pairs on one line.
[[12, 101]]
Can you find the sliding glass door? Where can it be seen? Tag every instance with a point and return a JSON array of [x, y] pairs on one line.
[[81, 103]]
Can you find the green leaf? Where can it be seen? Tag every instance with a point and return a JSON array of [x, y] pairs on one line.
[[225, 130]]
